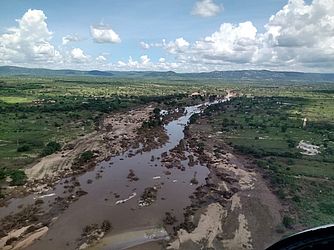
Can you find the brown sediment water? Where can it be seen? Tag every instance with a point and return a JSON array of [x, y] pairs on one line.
[[102, 201], [131, 238]]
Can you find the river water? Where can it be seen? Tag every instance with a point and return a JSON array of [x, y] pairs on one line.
[[100, 202]]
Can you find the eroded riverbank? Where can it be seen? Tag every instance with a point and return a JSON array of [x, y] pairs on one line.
[[99, 194], [201, 198], [234, 209]]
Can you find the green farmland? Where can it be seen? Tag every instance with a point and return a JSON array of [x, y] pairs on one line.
[[267, 123]]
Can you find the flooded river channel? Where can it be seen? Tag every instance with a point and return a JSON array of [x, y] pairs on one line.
[[112, 196]]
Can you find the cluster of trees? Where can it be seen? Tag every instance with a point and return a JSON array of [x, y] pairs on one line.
[[260, 152], [155, 119], [193, 118], [85, 157], [17, 176], [80, 103], [167, 99], [51, 148]]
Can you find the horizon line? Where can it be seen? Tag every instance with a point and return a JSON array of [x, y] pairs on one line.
[[161, 71]]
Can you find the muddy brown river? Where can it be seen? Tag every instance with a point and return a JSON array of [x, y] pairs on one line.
[[114, 198]]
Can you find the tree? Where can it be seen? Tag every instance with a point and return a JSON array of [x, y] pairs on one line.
[[284, 128], [86, 156], [51, 148], [156, 113], [23, 148]]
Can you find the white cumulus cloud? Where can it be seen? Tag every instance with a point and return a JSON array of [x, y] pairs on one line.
[[298, 37], [232, 43], [206, 8], [104, 34], [145, 63], [70, 38], [144, 45], [179, 45], [145, 59], [29, 41], [302, 34], [78, 55], [101, 59]]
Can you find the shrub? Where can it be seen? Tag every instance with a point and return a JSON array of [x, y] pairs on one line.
[[291, 143], [35, 143], [327, 207], [156, 112], [288, 221], [281, 194], [193, 118], [154, 121], [86, 156], [18, 177], [200, 147], [106, 226], [262, 163], [2, 173], [51, 148], [284, 128], [23, 148], [296, 198], [290, 162]]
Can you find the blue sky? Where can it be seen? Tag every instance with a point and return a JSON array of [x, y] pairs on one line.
[[209, 32]]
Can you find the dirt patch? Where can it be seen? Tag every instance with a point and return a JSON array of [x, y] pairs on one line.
[[23, 237], [113, 137], [308, 148], [116, 134], [248, 214], [29, 239], [207, 229], [242, 236]]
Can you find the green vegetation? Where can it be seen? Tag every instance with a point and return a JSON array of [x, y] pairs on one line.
[[193, 118], [154, 120], [39, 115], [23, 148], [86, 156], [267, 123], [51, 148], [17, 176], [288, 222]]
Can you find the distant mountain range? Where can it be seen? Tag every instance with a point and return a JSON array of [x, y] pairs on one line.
[[20, 71], [228, 75]]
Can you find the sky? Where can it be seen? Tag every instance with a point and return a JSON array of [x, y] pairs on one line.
[[162, 35]]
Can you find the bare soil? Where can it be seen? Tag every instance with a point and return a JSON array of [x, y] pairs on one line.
[[112, 138], [235, 209]]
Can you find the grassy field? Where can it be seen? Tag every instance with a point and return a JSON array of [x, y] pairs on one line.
[[36, 111], [267, 123]]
